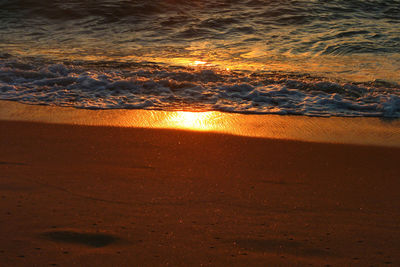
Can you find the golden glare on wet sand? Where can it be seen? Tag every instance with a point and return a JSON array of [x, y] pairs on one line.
[[367, 131], [198, 121]]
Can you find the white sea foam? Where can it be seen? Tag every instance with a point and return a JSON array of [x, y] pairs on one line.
[[93, 86]]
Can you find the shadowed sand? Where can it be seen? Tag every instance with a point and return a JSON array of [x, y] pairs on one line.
[[69, 193], [90, 239]]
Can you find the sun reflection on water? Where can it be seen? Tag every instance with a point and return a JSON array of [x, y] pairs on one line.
[[198, 62]]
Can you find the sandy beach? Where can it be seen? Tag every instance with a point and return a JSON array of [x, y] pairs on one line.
[[74, 195], [199, 133]]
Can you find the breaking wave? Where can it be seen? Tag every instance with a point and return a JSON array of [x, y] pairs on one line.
[[115, 85]]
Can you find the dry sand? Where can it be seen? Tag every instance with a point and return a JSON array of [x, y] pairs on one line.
[[111, 196]]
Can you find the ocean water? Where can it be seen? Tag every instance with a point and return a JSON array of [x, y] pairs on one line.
[[305, 57]]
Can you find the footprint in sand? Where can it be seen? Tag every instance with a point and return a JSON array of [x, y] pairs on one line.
[[88, 239], [289, 246]]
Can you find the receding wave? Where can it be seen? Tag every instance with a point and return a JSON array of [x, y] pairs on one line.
[[112, 85]]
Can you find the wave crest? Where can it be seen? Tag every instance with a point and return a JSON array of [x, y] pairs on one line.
[[140, 86]]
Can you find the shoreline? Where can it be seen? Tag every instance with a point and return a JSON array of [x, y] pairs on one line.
[[339, 130], [75, 195]]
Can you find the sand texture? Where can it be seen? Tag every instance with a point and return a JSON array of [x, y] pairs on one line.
[[111, 196]]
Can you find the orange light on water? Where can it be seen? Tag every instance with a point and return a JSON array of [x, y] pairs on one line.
[[198, 62]]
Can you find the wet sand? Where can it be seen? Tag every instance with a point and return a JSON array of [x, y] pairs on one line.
[[110, 196], [344, 130]]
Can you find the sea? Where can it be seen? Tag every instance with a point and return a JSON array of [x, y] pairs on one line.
[[287, 57]]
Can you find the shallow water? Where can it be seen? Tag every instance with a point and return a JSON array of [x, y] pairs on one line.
[[318, 58]]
